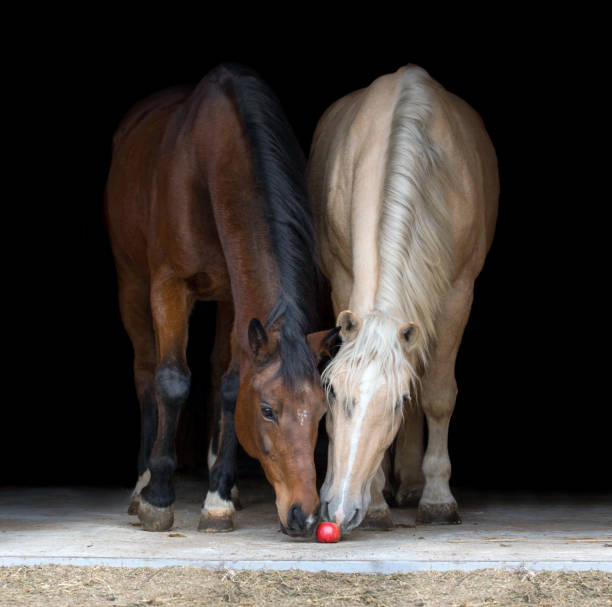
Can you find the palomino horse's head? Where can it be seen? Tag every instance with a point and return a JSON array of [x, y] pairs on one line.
[[367, 384], [279, 407]]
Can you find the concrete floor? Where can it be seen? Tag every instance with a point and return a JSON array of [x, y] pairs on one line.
[[90, 526]]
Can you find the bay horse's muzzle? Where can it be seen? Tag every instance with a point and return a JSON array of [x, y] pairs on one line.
[[298, 524]]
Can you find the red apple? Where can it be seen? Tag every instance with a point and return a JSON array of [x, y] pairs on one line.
[[328, 532]]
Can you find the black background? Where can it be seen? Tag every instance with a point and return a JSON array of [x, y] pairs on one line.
[[528, 413]]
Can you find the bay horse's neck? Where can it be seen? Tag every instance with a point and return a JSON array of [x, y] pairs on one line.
[[255, 175], [228, 174]]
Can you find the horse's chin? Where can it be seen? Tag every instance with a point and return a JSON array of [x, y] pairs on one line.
[[307, 533]]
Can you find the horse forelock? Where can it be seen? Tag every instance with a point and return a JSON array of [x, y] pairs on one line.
[[377, 347]]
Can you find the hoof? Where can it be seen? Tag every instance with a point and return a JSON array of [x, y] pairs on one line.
[[134, 505], [378, 521], [215, 524], [408, 496], [217, 514], [445, 514], [154, 518]]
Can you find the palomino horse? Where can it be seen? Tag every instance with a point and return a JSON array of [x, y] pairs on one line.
[[207, 200], [405, 186]]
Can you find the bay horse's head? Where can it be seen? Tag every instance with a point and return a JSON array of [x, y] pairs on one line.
[[279, 407], [368, 382]]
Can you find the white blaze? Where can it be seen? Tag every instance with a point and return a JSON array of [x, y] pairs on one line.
[[302, 416], [369, 384]]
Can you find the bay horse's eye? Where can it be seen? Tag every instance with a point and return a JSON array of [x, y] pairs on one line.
[[268, 412]]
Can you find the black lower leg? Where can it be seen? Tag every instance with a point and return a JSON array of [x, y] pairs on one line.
[[148, 429], [172, 388], [223, 474]]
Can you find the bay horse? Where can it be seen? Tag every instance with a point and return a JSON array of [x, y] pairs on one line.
[[405, 187], [207, 200]]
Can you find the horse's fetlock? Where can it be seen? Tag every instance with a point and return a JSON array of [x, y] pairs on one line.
[[162, 466]]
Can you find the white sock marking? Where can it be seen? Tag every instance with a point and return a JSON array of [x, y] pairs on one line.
[[214, 505], [211, 457], [142, 482]]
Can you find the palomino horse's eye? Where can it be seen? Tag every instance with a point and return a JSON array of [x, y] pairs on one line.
[[268, 412], [404, 400]]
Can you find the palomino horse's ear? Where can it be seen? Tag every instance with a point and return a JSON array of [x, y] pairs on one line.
[[258, 338], [349, 324], [409, 335], [324, 344]]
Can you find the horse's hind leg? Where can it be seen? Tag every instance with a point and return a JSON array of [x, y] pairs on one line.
[[135, 311], [408, 457], [171, 304], [378, 516], [218, 509], [220, 361], [222, 498], [437, 504]]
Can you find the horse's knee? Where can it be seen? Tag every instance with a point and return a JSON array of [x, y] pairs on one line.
[[439, 403], [172, 384]]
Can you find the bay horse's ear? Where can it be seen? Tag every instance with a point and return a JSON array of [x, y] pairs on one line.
[[349, 324], [409, 335], [258, 338], [324, 344]]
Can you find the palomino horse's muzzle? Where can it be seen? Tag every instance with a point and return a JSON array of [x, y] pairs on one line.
[[347, 518]]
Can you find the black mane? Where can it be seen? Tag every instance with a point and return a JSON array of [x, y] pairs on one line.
[[280, 170]]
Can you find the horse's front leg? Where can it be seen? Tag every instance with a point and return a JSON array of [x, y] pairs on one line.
[[439, 392], [171, 305]]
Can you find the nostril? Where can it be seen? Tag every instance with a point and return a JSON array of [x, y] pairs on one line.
[[295, 518], [352, 522]]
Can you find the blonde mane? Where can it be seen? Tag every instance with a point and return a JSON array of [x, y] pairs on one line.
[[414, 229], [414, 255]]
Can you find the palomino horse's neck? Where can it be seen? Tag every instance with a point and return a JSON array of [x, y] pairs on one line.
[[413, 237], [400, 234]]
